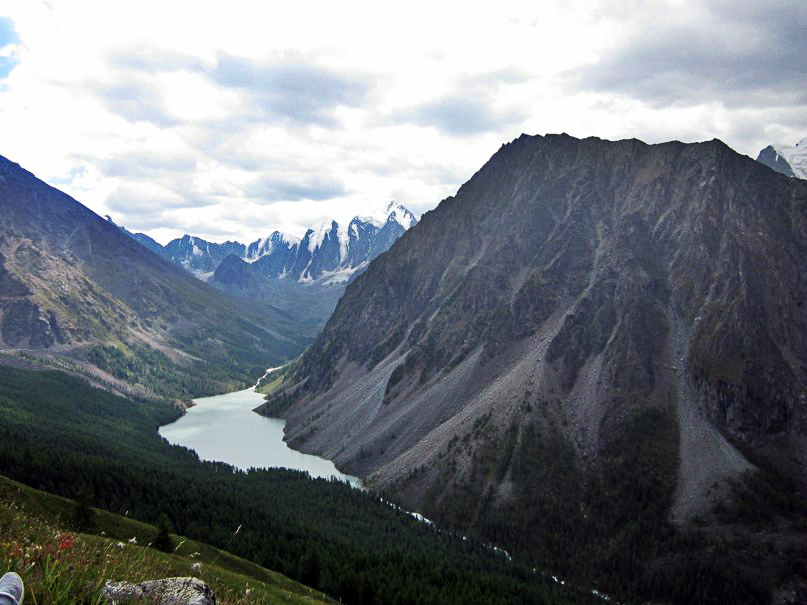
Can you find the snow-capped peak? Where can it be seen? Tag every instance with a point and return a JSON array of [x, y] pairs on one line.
[[392, 211], [795, 156], [267, 245], [317, 235]]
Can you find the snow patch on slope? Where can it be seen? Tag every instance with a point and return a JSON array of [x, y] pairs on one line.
[[795, 156]]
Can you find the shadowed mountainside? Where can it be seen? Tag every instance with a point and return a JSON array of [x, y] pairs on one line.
[[79, 293]]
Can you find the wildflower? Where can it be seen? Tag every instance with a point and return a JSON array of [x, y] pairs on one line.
[[133, 540], [196, 567], [66, 542], [247, 592], [119, 545]]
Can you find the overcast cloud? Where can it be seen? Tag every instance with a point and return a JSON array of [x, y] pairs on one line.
[[230, 120]]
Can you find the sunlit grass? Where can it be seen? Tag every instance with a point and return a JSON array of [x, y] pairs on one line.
[[61, 567]]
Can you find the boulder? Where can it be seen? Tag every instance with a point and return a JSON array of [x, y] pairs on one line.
[[167, 591]]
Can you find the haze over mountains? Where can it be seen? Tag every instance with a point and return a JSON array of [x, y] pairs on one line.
[[303, 276]]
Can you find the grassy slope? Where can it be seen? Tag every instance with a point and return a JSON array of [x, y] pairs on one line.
[[32, 523]]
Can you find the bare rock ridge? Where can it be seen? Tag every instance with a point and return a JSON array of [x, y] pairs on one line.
[[569, 286]]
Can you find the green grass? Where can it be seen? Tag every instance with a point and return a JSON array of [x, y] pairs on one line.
[[60, 566]]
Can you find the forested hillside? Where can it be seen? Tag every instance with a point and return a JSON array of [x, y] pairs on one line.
[[61, 435]]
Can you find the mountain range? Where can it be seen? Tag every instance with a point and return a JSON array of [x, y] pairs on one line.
[[79, 294], [303, 276], [604, 341]]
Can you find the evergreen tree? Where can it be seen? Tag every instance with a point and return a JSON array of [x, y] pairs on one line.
[[163, 541], [83, 514]]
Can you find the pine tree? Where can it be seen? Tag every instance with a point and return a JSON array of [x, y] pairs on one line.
[[163, 541], [83, 514]]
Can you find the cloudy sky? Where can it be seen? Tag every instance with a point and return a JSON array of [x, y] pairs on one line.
[[231, 119]]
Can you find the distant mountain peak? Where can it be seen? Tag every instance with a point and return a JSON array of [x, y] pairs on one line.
[[790, 160], [391, 211]]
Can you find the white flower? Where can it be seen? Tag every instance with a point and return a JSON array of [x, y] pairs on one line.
[[119, 545], [133, 540], [196, 567]]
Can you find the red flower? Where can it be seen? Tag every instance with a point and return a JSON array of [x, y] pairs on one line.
[[66, 542]]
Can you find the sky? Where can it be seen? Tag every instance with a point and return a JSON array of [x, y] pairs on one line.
[[229, 120]]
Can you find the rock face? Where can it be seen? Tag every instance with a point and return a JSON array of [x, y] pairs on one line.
[[168, 591], [567, 287]]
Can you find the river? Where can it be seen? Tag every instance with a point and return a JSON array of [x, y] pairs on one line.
[[224, 428]]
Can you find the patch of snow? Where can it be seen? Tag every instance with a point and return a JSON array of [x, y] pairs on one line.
[[344, 243], [305, 276], [203, 275], [339, 276], [195, 250], [318, 235], [795, 156]]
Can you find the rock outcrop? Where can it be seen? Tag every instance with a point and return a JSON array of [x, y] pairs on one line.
[[167, 591]]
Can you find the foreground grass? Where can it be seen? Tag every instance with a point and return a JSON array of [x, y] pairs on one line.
[[61, 567]]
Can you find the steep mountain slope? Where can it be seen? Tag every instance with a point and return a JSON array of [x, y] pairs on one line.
[[77, 291], [786, 159], [579, 309]]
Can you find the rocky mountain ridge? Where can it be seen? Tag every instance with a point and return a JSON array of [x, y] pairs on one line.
[[323, 251], [571, 285], [302, 276]]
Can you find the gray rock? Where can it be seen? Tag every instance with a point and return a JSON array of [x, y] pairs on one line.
[[168, 591]]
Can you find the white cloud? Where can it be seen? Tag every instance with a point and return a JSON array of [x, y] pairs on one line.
[[229, 120]]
